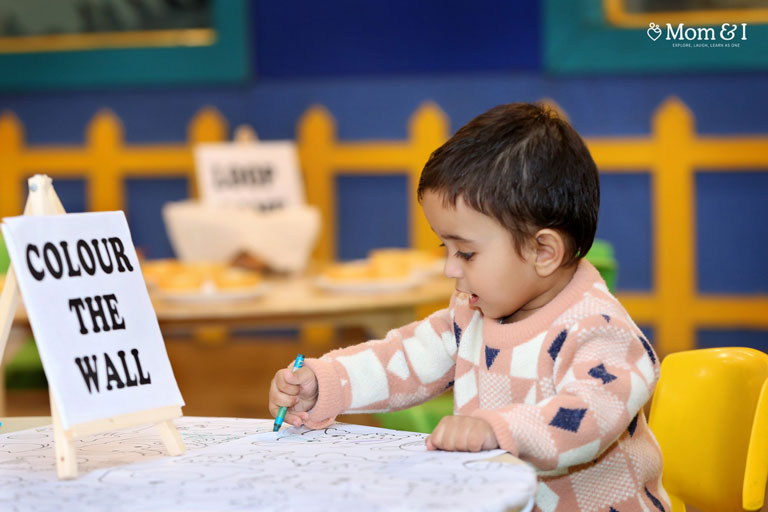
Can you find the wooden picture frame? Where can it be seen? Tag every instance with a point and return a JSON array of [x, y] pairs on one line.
[[218, 54]]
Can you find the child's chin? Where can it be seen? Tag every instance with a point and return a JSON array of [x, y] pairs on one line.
[[477, 307]]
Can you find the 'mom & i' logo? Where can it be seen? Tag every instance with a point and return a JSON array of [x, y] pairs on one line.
[[727, 32]]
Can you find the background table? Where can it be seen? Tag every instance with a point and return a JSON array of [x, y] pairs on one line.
[[296, 301]]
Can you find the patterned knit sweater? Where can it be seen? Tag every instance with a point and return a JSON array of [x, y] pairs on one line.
[[562, 389]]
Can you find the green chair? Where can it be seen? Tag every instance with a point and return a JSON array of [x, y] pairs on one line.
[[5, 260], [601, 256], [421, 418], [425, 417]]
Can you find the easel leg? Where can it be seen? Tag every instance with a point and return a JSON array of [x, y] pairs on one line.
[[171, 437], [66, 459]]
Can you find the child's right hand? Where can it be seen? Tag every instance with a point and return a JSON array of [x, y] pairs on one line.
[[297, 391]]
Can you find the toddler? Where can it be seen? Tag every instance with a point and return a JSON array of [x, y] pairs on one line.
[[544, 362]]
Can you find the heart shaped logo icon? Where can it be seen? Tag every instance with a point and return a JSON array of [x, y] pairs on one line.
[[654, 32]]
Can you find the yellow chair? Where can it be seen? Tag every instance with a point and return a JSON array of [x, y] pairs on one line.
[[710, 416]]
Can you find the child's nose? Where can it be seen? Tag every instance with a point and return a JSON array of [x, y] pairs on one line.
[[452, 268]]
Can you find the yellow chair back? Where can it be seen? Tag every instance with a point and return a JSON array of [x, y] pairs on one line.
[[710, 416]]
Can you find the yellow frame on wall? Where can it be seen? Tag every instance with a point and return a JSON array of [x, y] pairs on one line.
[[97, 41], [617, 15]]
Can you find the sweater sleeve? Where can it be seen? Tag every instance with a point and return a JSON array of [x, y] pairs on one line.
[[409, 366], [603, 374]]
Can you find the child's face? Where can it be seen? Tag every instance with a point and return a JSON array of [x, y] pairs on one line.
[[481, 257]]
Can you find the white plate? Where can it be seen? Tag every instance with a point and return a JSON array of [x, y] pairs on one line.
[[368, 286], [209, 293]]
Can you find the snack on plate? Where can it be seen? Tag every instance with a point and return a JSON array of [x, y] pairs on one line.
[[155, 270], [351, 271], [186, 282], [236, 279], [388, 264], [172, 276], [403, 261]]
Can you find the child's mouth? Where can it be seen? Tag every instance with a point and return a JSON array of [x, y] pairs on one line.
[[473, 299]]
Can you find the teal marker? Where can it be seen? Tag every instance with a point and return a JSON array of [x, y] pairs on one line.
[[281, 412]]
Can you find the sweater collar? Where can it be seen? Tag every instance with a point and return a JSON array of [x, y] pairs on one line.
[[512, 333]]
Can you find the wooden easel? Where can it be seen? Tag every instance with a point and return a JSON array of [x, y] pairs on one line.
[[42, 200]]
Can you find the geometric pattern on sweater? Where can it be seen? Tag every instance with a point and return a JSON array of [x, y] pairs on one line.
[[560, 389], [472, 340], [428, 352], [648, 348], [399, 366], [574, 455], [587, 307], [607, 408], [490, 356], [546, 387], [557, 344], [599, 372], [525, 358], [457, 333], [496, 390], [540, 446], [405, 400], [640, 453], [367, 376], [638, 395], [654, 500], [616, 352], [464, 389], [568, 419], [612, 476], [546, 499], [646, 369]]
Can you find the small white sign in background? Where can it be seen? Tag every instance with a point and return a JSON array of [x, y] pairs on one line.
[[263, 175], [91, 315]]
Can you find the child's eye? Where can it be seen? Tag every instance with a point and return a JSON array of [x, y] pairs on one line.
[[465, 255]]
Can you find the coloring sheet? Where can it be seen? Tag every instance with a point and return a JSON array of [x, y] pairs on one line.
[[240, 464]]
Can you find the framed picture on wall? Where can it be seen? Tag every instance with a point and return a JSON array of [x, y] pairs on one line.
[[655, 35], [84, 43]]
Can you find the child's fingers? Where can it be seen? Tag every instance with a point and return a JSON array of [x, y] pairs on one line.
[[285, 382], [300, 377], [462, 434], [437, 438], [296, 419], [278, 399]]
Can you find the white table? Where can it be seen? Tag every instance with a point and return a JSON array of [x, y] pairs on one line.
[[239, 464]]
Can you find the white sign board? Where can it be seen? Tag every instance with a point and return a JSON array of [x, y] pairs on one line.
[[263, 175], [91, 315]]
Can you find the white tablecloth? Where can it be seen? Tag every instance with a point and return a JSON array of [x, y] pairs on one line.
[[239, 464]]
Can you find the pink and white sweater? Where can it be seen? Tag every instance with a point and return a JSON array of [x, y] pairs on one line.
[[562, 389]]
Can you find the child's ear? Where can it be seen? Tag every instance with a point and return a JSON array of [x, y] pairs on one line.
[[550, 251]]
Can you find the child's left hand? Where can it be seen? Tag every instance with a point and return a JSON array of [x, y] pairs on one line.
[[462, 434]]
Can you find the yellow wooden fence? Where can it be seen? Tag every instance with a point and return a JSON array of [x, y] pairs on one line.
[[105, 161], [672, 153]]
